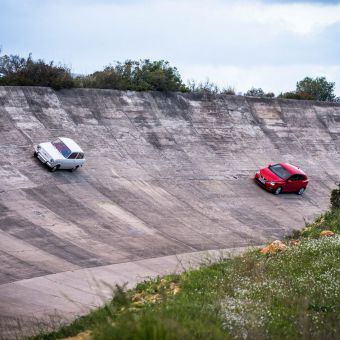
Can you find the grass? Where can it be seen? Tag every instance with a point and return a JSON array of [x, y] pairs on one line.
[[288, 295]]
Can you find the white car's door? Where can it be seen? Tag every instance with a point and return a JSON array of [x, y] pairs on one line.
[[80, 159], [71, 161]]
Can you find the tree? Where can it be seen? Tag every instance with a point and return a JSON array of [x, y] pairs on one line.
[[10, 65], [18, 71], [157, 76], [143, 75], [253, 92], [316, 89]]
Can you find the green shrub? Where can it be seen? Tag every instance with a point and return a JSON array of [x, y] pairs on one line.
[[143, 75], [254, 92], [207, 88], [17, 71], [258, 92], [270, 95], [228, 91], [313, 89], [296, 95], [318, 88], [335, 198]]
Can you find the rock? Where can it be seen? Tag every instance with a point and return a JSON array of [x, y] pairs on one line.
[[162, 284], [327, 233], [141, 298], [138, 297], [295, 242], [153, 298], [174, 288], [274, 247]]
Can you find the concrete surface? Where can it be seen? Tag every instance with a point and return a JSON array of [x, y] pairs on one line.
[[55, 299], [166, 174]]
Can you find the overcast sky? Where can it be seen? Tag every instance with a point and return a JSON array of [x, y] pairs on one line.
[[243, 44]]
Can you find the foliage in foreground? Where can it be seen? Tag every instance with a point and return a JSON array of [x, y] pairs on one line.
[[288, 295]]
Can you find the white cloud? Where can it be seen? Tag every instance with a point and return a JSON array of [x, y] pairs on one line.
[[244, 43], [301, 18]]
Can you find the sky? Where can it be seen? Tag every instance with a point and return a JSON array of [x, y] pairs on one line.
[[270, 44]]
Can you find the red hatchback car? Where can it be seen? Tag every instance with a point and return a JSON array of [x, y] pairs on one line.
[[282, 177]]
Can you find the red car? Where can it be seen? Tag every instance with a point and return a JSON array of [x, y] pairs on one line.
[[282, 177]]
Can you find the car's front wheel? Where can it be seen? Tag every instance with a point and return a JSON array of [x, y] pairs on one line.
[[278, 191], [301, 191], [35, 154], [56, 167]]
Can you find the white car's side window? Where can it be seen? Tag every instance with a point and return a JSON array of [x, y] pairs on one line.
[[73, 155]]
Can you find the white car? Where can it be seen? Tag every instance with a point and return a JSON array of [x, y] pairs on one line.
[[63, 153]]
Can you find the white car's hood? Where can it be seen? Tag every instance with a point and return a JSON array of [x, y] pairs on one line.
[[51, 151]]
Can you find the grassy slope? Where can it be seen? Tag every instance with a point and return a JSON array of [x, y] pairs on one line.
[[292, 294]]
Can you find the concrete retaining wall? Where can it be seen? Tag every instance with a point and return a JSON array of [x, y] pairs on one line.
[[166, 174]]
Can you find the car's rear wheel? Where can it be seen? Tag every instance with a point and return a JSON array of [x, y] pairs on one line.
[[75, 168], [56, 167], [301, 191], [278, 191]]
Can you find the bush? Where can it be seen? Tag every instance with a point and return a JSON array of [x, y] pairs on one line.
[[270, 95], [296, 95], [143, 75], [318, 88], [17, 71], [209, 88], [206, 88], [253, 92], [335, 198], [312, 89], [228, 91], [258, 92]]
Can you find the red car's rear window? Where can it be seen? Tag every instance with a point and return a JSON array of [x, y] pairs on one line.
[[280, 171]]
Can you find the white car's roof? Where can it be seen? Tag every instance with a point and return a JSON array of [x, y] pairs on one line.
[[71, 144]]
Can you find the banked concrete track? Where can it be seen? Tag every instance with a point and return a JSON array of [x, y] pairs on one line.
[[166, 174]]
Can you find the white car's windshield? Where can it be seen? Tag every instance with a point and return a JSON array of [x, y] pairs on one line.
[[61, 147]]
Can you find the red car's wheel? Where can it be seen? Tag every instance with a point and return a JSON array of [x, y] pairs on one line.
[[278, 191], [301, 191]]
